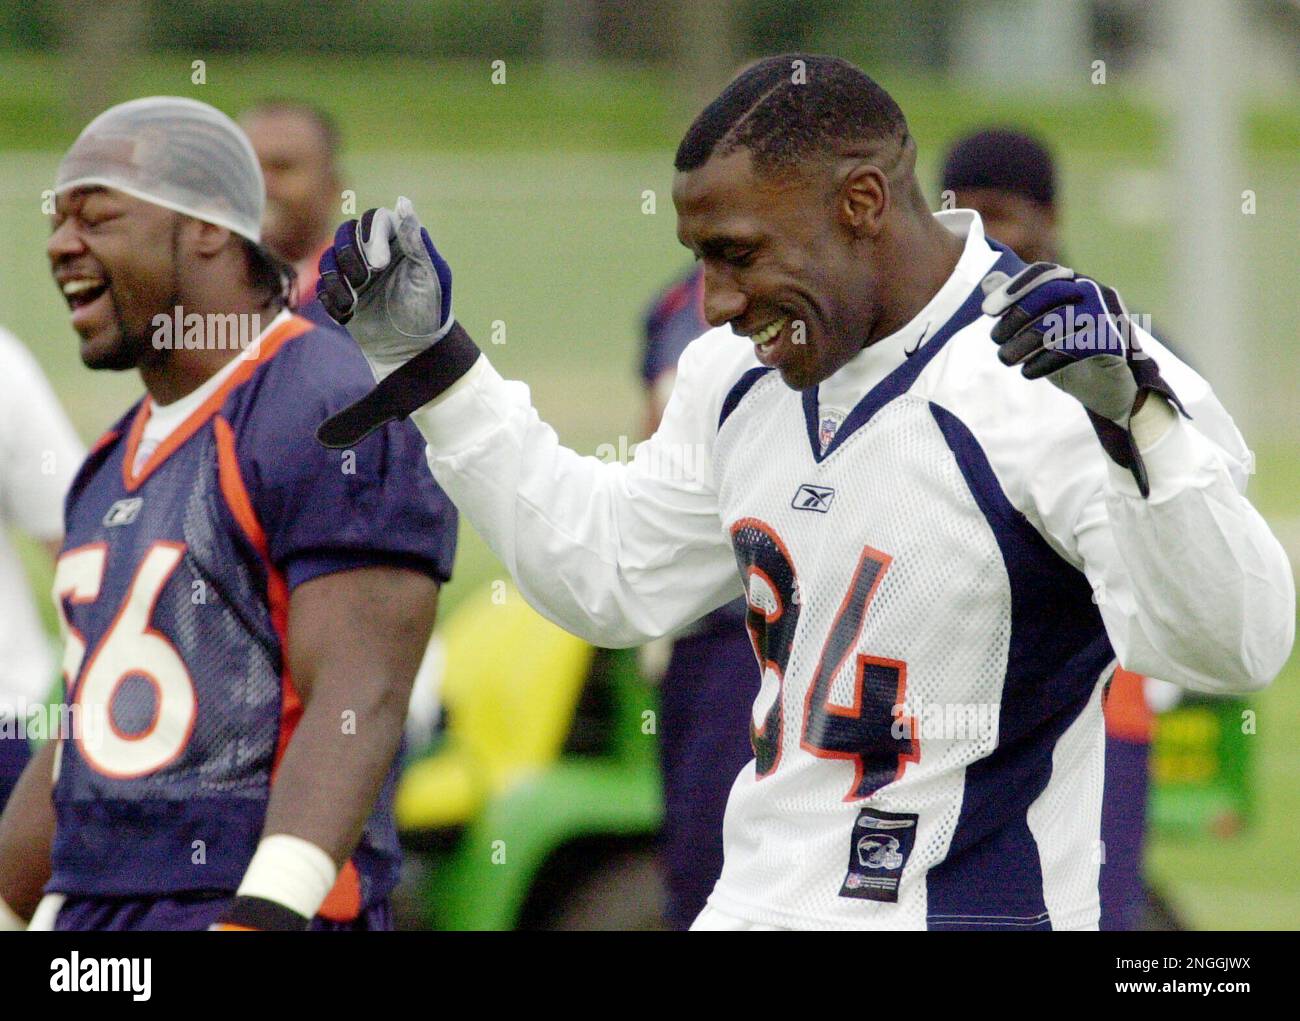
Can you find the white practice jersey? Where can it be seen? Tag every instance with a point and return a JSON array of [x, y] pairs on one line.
[[938, 585], [39, 455]]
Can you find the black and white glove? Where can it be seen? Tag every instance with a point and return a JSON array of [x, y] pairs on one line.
[[384, 279], [1078, 334]]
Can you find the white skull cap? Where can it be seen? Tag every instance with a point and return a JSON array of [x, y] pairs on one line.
[[177, 153]]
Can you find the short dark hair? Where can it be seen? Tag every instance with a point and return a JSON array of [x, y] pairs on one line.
[[791, 108], [1003, 160]]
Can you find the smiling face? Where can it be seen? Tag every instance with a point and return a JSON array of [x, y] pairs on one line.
[[114, 259], [787, 258]]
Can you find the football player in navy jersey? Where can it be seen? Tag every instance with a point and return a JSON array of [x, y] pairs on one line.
[[711, 677], [233, 732]]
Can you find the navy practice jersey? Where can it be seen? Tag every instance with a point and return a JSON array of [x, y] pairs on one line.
[[674, 320], [174, 587], [711, 677]]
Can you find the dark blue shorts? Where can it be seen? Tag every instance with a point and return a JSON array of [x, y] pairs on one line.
[[704, 718], [1123, 830], [183, 912], [14, 753]]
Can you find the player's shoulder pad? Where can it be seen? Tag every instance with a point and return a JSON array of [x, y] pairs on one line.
[[1036, 439], [323, 365]]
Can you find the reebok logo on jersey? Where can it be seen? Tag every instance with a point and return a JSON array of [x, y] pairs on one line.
[[879, 847], [813, 498], [123, 512]]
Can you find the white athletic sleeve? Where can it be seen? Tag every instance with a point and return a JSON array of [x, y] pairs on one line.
[[39, 450], [1192, 585], [617, 554]]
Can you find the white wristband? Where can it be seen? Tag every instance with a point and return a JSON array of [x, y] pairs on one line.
[[10, 920], [46, 915], [290, 871]]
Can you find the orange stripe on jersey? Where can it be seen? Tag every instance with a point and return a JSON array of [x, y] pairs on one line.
[[103, 442], [233, 489], [294, 326], [343, 903], [1128, 717], [235, 493]]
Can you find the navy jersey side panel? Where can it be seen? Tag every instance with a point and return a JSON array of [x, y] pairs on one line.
[[991, 877]]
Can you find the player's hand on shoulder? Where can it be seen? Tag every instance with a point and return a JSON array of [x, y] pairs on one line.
[[1078, 334], [386, 282]]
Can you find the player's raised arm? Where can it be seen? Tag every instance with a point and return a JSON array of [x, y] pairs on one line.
[[1191, 583], [614, 553]]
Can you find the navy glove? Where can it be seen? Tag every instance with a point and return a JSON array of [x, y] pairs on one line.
[[383, 278], [1078, 334], [386, 282]]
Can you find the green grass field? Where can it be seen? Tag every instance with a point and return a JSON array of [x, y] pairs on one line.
[[534, 192]]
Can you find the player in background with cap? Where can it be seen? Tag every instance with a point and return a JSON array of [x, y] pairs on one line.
[[231, 758], [39, 453], [1009, 178], [297, 145]]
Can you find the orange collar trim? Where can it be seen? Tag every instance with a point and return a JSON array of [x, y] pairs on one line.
[[292, 327]]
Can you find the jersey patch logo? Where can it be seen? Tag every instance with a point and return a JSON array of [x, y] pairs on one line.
[[813, 498], [828, 427], [123, 512], [880, 845]]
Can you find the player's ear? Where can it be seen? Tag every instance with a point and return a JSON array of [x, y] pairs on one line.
[[208, 238], [863, 198]]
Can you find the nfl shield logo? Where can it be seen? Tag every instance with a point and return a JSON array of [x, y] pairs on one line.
[[826, 431]]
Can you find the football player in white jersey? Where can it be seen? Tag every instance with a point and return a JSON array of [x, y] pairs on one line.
[[1015, 489], [39, 454]]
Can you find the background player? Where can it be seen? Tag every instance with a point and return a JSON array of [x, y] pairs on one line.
[[236, 742], [39, 453], [298, 148], [710, 680], [1009, 178], [999, 500]]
